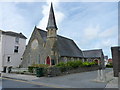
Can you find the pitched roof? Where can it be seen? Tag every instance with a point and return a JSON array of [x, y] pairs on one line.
[[66, 47], [14, 34], [51, 21], [96, 53]]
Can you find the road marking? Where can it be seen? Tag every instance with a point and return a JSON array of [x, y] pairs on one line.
[[35, 83]]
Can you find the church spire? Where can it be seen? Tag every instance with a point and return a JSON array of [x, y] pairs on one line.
[[51, 20]]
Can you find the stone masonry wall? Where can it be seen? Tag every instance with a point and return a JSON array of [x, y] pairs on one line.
[[55, 71]]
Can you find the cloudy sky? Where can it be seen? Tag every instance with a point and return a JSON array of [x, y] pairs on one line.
[[92, 25]]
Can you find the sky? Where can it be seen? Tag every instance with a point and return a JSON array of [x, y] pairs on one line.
[[92, 25]]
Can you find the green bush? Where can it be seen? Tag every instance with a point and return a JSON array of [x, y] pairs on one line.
[[34, 66], [88, 63], [39, 65], [69, 64], [109, 65], [79, 63], [61, 64], [74, 64], [30, 69]]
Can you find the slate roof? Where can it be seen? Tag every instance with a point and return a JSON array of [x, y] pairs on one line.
[[51, 20], [97, 53], [66, 47], [14, 34]]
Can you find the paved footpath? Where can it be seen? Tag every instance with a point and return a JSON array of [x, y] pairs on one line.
[[77, 80]]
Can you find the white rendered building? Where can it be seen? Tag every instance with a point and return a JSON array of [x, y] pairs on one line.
[[12, 46]]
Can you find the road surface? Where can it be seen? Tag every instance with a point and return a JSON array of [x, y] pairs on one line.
[[12, 83]]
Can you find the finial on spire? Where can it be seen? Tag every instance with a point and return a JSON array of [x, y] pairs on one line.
[[51, 20]]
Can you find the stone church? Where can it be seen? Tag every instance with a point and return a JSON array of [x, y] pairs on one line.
[[46, 47]]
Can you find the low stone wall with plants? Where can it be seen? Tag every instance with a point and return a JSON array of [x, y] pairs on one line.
[[57, 71], [64, 68], [21, 71]]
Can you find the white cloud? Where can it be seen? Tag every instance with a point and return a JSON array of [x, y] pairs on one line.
[[11, 19], [94, 37], [105, 43], [91, 32], [109, 32], [60, 0], [58, 15]]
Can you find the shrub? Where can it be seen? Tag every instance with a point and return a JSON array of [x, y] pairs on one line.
[[30, 69], [39, 65], [79, 63], [69, 65], [88, 63], [92, 63], [109, 65], [61, 64], [34, 66], [74, 64]]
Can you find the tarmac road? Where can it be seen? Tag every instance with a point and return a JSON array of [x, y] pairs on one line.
[[12, 83]]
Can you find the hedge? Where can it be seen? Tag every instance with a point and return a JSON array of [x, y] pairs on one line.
[[74, 64], [34, 66], [63, 66]]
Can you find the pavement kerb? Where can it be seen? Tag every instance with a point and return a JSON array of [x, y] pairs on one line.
[[14, 78], [36, 83]]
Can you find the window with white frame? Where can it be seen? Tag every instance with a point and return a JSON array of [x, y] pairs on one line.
[[8, 59]]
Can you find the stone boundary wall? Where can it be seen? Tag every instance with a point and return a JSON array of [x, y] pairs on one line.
[[54, 71], [19, 69]]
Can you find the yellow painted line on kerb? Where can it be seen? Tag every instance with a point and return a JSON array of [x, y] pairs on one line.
[[35, 83]]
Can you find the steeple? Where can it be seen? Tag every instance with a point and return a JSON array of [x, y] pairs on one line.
[[51, 20]]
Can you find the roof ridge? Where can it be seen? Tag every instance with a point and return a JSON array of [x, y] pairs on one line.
[[12, 33], [92, 50], [40, 29], [65, 37]]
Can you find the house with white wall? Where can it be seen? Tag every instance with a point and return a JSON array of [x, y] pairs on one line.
[[0, 50], [106, 60], [12, 46]]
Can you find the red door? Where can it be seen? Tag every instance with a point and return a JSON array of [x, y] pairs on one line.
[[48, 60]]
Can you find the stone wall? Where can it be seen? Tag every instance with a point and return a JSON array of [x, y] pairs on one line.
[[55, 71], [37, 55]]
